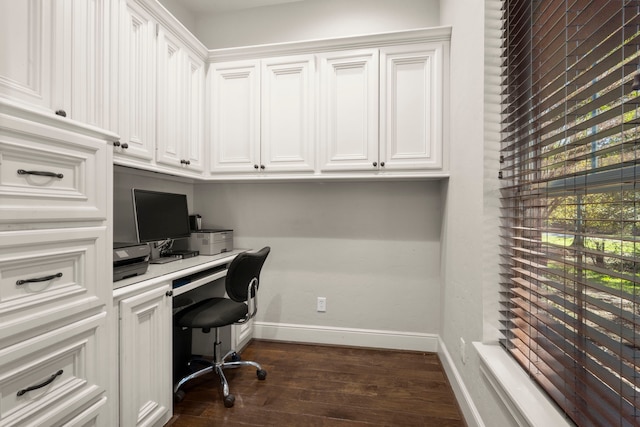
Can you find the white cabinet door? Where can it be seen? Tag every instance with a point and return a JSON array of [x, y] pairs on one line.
[[234, 96], [180, 105], [54, 56], [241, 334], [193, 146], [349, 110], [411, 106], [137, 81], [27, 31], [145, 358], [170, 102], [288, 114]]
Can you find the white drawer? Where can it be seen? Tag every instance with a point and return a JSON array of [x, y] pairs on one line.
[[51, 174], [49, 276], [54, 378]]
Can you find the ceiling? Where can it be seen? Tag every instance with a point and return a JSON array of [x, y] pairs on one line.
[[221, 6]]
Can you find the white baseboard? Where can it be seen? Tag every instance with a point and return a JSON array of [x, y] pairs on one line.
[[468, 408], [346, 336]]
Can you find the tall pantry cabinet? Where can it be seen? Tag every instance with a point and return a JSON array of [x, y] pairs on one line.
[[55, 212]]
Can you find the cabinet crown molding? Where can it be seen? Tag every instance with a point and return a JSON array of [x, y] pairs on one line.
[[420, 35]]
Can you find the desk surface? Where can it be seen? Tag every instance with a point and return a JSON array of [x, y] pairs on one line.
[[179, 268]]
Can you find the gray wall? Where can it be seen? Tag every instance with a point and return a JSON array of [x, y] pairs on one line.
[[371, 248]]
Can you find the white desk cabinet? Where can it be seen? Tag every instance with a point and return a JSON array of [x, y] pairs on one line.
[[263, 115], [55, 58], [145, 356]]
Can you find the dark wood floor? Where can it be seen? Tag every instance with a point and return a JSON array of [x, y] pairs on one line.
[[310, 385]]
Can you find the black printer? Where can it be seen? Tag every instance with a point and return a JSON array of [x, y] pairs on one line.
[[130, 259]]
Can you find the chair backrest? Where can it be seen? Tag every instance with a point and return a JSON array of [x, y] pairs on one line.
[[242, 270]]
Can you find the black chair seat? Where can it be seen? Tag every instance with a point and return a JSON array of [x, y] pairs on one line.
[[211, 313]]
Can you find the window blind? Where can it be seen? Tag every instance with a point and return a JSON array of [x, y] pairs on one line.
[[570, 203]]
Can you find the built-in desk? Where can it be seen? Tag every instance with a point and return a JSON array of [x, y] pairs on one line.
[[157, 273], [144, 307]]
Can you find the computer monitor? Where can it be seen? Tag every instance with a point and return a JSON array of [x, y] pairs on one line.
[[160, 216]]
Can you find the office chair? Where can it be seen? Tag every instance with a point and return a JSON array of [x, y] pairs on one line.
[[241, 284]]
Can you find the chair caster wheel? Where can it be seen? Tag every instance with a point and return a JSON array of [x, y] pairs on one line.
[[178, 396], [229, 401], [235, 357], [262, 374]]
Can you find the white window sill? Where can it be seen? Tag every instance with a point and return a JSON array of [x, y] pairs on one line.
[[527, 403]]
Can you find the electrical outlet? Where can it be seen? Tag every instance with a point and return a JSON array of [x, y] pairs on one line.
[[322, 304], [463, 350]]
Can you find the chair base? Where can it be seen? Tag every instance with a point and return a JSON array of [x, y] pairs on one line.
[[218, 366]]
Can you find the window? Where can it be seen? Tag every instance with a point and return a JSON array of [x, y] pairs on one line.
[[570, 174]]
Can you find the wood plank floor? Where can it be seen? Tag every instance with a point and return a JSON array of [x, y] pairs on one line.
[[311, 385]]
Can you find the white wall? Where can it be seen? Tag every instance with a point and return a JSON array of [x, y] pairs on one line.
[[470, 226], [371, 248], [314, 19]]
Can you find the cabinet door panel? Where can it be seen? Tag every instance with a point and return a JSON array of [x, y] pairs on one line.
[[82, 62], [145, 358], [411, 107], [194, 108], [287, 118], [137, 83], [349, 110], [26, 36], [171, 100], [235, 116]]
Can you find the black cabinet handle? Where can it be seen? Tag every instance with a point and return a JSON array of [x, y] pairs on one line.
[[61, 113], [125, 145], [381, 164], [169, 293], [375, 164], [262, 167], [255, 166], [116, 143], [37, 386], [39, 279], [40, 173]]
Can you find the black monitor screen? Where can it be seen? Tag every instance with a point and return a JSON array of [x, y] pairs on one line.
[[160, 216]]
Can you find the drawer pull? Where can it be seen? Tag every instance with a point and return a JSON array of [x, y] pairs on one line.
[[37, 386], [39, 279], [40, 173]]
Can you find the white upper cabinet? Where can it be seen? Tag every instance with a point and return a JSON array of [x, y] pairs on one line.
[[162, 93], [54, 57], [180, 102], [357, 107], [349, 110], [137, 100], [287, 114], [411, 106], [234, 98], [262, 115]]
